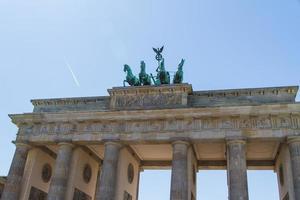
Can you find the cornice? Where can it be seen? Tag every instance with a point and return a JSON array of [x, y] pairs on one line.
[[68, 101], [249, 91], [167, 96], [179, 113], [174, 88]]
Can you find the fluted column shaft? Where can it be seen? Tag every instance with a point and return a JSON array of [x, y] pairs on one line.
[[237, 170], [179, 179], [58, 185], [108, 177], [13, 184], [294, 148]]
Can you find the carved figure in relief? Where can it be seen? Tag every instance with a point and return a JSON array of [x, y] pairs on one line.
[[284, 122], [245, 123], [145, 78], [263, 123], [131, 79], [178, 78]]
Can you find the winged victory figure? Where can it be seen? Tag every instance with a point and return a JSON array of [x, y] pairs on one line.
[[158, 52]]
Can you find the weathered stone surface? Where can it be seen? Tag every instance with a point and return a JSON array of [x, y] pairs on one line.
[[265, 122], [70, 104], [108, 177], [179, 179], [2, 183], [180, 95], [249, 96], [159, 115], [294, 147], [237, 170], [13, 184], [37, 194], [58, 186], [146, 97]]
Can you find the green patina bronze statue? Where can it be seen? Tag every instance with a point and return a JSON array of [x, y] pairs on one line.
[[158, 52], [162, 77], [178, 77], [145, 78], [130, 78]]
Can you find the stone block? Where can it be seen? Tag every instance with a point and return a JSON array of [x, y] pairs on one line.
[[149, 97]]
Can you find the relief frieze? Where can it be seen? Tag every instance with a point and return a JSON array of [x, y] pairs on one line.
[[171, 124], [211, 123], [163, 125], [146, 101], [227, 124], [245, 123], [197, 124], [187, 124], [263, 122], [284, 122], [295, 121]]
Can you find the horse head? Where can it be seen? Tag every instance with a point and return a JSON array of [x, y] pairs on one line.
[[126, 68], [143, 65], [180, 66]]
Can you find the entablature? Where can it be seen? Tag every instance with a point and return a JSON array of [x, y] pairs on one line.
[[160, 114], [265, 121], [167, 96]]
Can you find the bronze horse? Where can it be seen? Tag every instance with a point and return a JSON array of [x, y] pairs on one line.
[[130, 78]]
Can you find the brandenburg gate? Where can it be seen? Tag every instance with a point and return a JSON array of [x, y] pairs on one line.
[[95, 147]]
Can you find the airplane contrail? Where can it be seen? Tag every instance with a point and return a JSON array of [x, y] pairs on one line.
[[71, 71]]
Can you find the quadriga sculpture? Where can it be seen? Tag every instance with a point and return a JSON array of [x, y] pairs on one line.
[[162, 77], [130, 78]]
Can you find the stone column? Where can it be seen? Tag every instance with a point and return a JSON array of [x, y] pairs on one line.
[[108, 179], [98, 179], [237, 170], [58, 185], [179, 179], [294, 147], [138, 183], [13, 184]]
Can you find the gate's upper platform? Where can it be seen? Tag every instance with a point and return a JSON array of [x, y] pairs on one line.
[[168, 96]]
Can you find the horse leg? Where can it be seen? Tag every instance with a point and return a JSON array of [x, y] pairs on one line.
[[148, 80], [124, 83], [138, 82], [155, 83]]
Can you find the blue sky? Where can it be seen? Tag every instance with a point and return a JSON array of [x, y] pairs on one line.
[[226, 44]]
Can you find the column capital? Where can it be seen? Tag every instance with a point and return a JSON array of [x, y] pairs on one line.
[[66, 144], [235, 141], [113, 144], [22, 144], [293, 139], [181, 142]]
